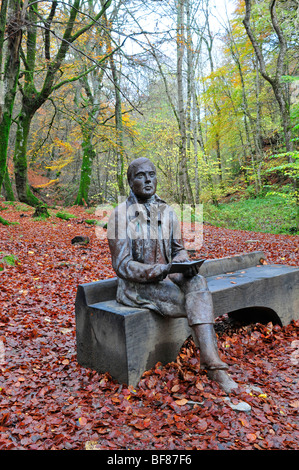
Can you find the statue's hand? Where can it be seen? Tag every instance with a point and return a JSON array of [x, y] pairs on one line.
[[181, 258], [160, 272], [166, 270], [192, 271]]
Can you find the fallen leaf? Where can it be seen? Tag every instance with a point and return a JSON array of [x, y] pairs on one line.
[[199, 386], [244, 422], [251, 437], [202, 425], [181, 402], [294, 404], [82, 421]]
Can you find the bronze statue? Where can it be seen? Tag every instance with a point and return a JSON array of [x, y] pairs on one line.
[[145, 240]]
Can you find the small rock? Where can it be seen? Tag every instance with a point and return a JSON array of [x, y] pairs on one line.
[[253, 388], [79, 240], [241, 406]]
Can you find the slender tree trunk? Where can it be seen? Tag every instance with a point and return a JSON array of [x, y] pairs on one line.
[[185, 187], [209, 40], [86, 168], [195, 146], [218, 154], [119, 129], [88, 129], [190, 78], [118, 112]]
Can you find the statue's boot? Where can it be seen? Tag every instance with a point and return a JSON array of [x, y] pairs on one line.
[[200, 313], [225, 382], [207, 343], [209, 357]]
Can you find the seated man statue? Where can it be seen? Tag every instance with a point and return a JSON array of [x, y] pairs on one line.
[[145, 239]]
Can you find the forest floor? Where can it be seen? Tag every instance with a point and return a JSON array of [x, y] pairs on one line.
[[48, 401]]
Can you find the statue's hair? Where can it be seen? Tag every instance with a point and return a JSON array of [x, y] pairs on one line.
[[134, 164]]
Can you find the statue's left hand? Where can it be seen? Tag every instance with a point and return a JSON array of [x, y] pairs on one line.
[[192, 271], [183, 258]]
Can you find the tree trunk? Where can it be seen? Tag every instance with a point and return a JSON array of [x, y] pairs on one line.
[[218, 154], [8, 191], [119, 130], [20, 160], [86, 168], [185, 187], [209, 40], [10, 65]]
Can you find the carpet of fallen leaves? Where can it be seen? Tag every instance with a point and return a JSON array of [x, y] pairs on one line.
[[48, 401]]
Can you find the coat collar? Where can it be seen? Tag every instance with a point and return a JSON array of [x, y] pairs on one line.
[[132, 199]]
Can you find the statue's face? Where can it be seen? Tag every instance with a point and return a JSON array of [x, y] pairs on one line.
[[144, 180]]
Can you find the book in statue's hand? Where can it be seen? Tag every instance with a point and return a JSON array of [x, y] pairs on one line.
[[183, 267]]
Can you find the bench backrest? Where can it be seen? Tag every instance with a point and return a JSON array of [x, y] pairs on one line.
[[101, 291], [213, 267]]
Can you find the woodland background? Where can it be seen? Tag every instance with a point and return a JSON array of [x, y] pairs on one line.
[[207, 90]]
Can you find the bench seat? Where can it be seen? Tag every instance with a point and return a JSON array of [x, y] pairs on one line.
[[126, 341]]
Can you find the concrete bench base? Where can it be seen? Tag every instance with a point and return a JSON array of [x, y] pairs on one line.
[[126, 341]]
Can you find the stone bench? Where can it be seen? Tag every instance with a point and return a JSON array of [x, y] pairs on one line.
[[126, 341]]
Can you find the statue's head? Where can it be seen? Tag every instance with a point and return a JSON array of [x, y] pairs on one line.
[[142, 178]]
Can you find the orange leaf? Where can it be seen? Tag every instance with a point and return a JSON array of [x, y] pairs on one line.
[[181, 402], [294, 404], [244, 422], [82, 421], [199, 386]]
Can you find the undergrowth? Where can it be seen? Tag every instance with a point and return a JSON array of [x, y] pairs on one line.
[[272, 213]]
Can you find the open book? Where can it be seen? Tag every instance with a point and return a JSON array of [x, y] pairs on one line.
[[183, 267]]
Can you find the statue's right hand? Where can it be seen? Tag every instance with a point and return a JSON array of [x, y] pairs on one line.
[[165, 270]]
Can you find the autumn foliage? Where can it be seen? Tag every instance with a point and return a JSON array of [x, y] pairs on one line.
[[48, 401]]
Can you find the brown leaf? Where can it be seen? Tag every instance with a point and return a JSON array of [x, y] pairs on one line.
[[294, 404], [181, 402], [251, 437], [199, 386], [82, 421], [244, 422]]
